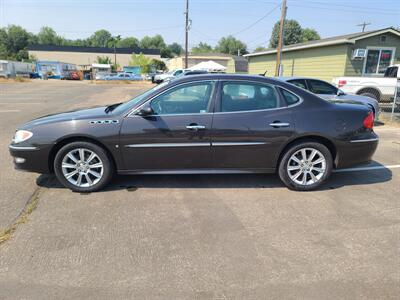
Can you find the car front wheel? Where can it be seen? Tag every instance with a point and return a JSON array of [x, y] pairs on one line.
[[305, 166], [83, 167]]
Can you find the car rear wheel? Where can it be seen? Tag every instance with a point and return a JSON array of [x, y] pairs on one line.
[[83, 167], [305, 166]]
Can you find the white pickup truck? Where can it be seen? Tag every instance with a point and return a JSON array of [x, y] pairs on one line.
[[380, 88]]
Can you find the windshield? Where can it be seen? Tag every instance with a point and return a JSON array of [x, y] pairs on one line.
[[129, 104]]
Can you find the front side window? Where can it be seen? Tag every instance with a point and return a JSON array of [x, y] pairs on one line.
[[301, 83], [238, 96], [377, 61], [188, 99], [322, 88]]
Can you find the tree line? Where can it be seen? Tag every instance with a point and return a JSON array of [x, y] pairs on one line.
[[14, 41]]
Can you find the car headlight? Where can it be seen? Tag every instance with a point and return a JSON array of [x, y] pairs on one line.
[[21, 135]]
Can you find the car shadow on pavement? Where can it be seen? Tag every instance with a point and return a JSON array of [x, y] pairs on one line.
[[134, 182]]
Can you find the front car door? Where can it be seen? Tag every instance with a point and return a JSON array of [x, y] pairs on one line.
[[251, 123], [176, 135]]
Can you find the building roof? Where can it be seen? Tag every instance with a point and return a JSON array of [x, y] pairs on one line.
[[335, 40], [136, 50]]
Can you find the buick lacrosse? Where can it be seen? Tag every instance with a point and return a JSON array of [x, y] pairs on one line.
[[214, 123]]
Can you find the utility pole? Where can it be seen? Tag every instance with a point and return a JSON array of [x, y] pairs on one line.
[[186, 34], [363, 25], [280, 41]]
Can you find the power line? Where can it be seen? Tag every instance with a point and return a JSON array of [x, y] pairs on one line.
[[258, 21]]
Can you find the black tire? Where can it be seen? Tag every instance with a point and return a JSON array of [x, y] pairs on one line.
[[283, 165], [108, 167], [370, 94]]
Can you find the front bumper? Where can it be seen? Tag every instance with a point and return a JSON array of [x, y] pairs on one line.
[[356, 151], [31, 158]]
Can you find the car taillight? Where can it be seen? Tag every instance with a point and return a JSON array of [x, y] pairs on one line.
[[342, 83], [369, 121]]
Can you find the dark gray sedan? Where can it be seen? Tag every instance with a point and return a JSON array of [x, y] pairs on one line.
[[212, 123]]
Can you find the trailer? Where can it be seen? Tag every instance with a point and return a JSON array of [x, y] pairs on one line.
[[11, 69], [55, 69]]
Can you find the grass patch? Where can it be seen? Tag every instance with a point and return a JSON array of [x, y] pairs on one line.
[[16, 79], [30, 206]]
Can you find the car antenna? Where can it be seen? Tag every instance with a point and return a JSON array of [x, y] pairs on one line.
[[263, 74]]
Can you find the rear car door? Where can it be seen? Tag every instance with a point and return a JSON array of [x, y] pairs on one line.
[[250, 125], [176, 135]]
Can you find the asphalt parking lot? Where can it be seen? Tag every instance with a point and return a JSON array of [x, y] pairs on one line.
[[194, 236]]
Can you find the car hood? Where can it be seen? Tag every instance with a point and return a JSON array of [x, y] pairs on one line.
[[82, 114]]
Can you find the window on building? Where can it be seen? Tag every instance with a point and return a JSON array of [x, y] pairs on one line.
[[377, 61]]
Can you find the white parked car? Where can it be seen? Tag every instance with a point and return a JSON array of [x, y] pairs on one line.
[[158, 78], [380, 88]]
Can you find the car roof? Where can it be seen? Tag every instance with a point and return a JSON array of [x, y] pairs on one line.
[[221, 76], [287, 78]]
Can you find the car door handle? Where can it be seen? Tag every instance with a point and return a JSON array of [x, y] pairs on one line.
[[195, 127], [279, 124]]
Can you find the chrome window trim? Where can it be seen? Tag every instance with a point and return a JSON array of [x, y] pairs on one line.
[[133, 111], [22, 147], [275, 87], [296, 104], [365, 140]]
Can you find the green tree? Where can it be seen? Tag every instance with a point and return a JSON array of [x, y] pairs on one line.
[[155, 42], [104, 60], [292, 34], [100, 38], [47, 36], [231, 45], [310, 34], [176, 49], [13, 42], [129, 42], [141, 61], [202, 48], [260, 48], [158, 64]]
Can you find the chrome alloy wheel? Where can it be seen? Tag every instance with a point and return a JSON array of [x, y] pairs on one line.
[[82, 167], [306, 166]]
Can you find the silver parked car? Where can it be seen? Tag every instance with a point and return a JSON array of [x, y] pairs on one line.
[[328, 91]]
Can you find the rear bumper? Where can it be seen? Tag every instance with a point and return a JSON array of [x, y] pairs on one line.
[[31, 158], [356, 151]]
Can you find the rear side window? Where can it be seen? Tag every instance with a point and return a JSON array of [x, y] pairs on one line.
[[242, 96], [321, 87], [290, 97]]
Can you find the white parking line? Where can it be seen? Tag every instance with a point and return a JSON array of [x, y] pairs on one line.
[[9, 110], [367, 168]]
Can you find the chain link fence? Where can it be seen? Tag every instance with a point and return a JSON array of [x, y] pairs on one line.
[[390, 104]]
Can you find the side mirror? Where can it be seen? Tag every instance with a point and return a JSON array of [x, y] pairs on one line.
[[340, 93], [145, 111]]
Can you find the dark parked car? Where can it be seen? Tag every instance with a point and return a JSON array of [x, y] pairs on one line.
[[210, 123]]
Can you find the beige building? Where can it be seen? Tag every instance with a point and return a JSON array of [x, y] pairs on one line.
[[87, 55]]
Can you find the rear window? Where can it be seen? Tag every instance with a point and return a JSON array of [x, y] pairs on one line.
[[391, 72], [290, 97]]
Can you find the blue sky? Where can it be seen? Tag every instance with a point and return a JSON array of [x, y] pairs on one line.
[[212, 19]]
